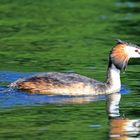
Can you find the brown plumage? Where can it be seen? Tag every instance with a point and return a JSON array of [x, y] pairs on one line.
[[47, 85], [119, 56]]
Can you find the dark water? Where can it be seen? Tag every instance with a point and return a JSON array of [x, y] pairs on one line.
[[77, 35]]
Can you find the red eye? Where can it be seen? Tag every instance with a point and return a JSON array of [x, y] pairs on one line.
[[136, 50]]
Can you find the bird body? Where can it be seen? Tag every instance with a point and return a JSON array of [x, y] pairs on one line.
[[56, 83]]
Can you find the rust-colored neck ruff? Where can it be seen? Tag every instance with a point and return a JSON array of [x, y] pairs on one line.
[[119, 56]]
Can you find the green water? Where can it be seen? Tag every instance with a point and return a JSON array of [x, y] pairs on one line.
[[66, 35]]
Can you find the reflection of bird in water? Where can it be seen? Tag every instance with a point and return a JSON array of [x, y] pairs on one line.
[[113, 101], [124, 129], [56, 83], [121, 128]]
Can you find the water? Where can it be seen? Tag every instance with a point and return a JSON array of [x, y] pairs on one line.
[[68, 36]]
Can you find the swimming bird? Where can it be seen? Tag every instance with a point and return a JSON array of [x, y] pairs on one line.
[[59, 83]]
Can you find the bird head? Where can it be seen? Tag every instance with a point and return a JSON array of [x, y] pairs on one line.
[[122, 52]]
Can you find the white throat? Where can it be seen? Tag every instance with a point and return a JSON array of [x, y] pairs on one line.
[[113, 79]]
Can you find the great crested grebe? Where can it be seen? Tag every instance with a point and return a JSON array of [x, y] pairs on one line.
[[57, 83]]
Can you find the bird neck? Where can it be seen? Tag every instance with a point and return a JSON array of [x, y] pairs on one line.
[[113, 81]]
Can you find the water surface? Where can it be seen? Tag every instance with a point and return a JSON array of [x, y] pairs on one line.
[[77, 35]]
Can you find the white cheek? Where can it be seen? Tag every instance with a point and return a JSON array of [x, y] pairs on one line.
[[131, 52]]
